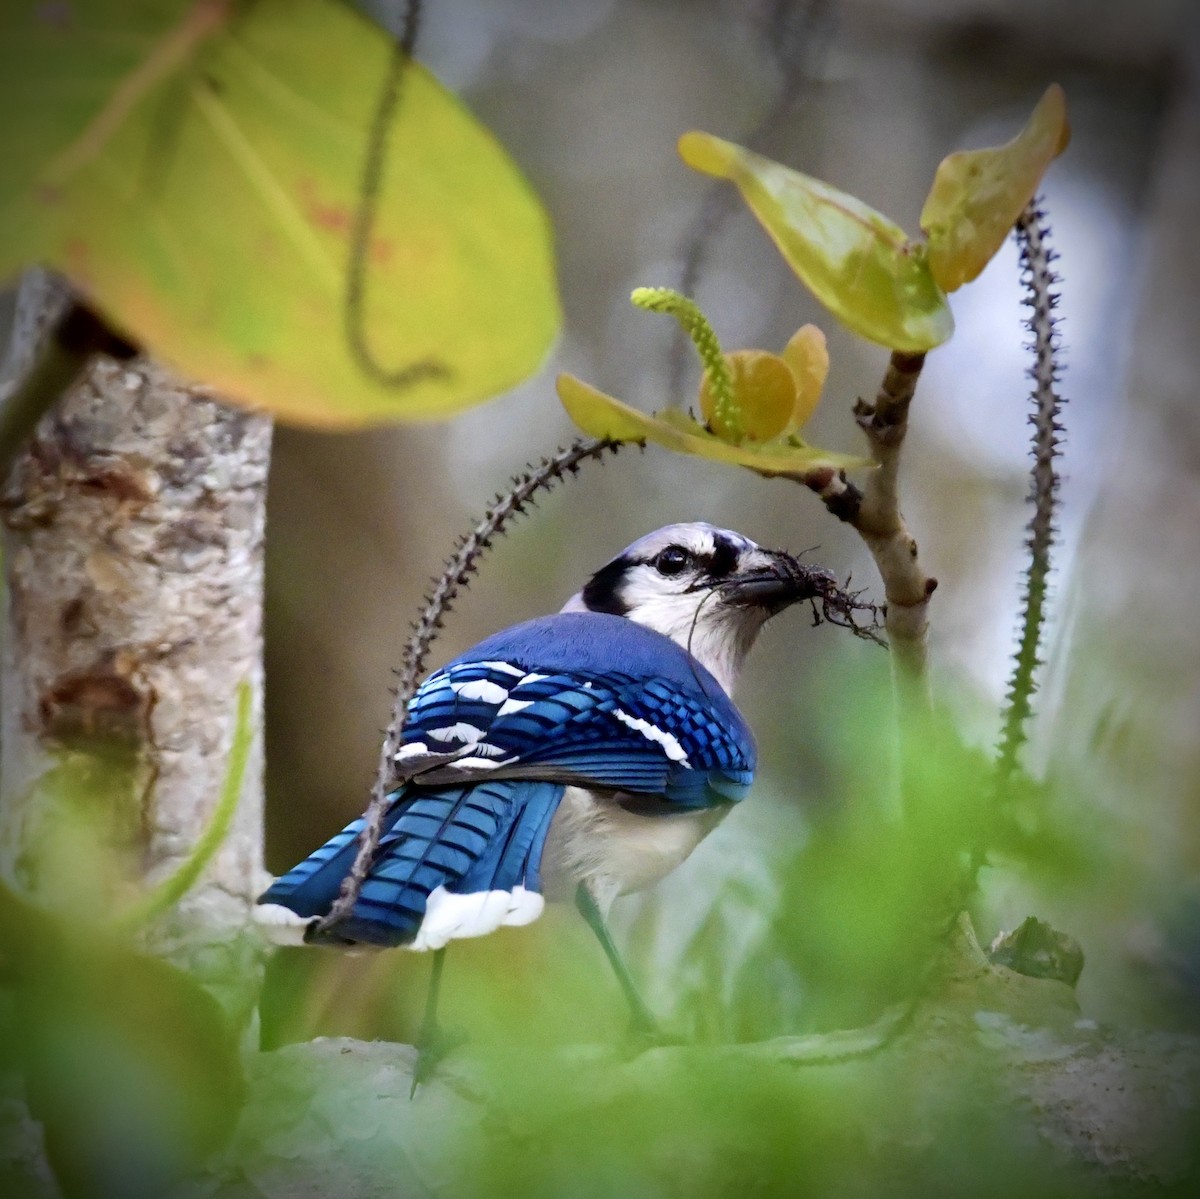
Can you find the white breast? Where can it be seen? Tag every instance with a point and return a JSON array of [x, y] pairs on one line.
[[593, 840]]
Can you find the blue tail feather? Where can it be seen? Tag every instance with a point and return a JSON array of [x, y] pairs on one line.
[[483, 837]]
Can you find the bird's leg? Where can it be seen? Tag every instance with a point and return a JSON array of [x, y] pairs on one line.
[[433, 1043], [642, 1024]]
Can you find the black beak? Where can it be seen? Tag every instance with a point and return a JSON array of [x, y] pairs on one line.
[[784, 581]]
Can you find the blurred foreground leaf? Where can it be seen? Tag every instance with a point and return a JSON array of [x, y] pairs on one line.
[[977, 195], [878, 890], [194, 170], [860, 265], [129, 1064]]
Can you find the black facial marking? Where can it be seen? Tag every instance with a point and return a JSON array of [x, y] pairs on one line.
[[600, 593], [723, 560]]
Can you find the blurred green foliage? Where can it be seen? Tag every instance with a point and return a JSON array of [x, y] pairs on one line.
[[856, 919], [130, 1065]]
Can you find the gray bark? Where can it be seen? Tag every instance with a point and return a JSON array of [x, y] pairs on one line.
[[133, 552]]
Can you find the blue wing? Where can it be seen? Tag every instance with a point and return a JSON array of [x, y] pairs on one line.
[[491, 742], [513, 707], [483, 840]]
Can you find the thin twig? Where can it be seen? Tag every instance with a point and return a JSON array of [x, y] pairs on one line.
[[364, 219], [1036, 260], [874, 511], [461, 565]]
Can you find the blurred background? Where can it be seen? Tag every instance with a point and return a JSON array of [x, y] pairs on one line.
[[589, 97]]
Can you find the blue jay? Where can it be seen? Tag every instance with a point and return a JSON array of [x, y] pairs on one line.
[[582, 754]]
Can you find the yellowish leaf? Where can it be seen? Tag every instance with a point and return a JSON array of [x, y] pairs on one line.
[[601, 415], [860, 265], [764, 396], [977, 195], [808, 356]]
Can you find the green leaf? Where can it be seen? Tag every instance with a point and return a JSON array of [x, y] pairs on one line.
[[197, 182], [129, 1064], [860, 265], [601, 415], [977, 195]]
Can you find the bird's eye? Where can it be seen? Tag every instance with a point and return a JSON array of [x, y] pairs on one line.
[[672, 560]]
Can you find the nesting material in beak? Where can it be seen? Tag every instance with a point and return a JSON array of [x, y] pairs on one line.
[[780, 583]]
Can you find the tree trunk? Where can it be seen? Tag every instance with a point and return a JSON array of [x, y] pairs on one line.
[[133, 554]]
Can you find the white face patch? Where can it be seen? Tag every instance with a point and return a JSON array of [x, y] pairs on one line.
[[671, 746], [717, 633]]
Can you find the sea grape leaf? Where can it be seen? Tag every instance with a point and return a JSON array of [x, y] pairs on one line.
[[977, 195], [205, 208], [764, 397], [60, 65], [601, 415], [860, 265]]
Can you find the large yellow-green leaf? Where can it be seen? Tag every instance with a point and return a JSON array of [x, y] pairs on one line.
[[206, 210], [977, 195], [60, 64], [601, 415], [860, 265]]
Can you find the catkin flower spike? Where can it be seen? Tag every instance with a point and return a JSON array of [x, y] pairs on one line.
[[695, 324]]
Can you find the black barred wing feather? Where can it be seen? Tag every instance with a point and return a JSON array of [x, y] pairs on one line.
[[614, 730]]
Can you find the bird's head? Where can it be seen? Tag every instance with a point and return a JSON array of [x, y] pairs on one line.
[[710, 590]]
